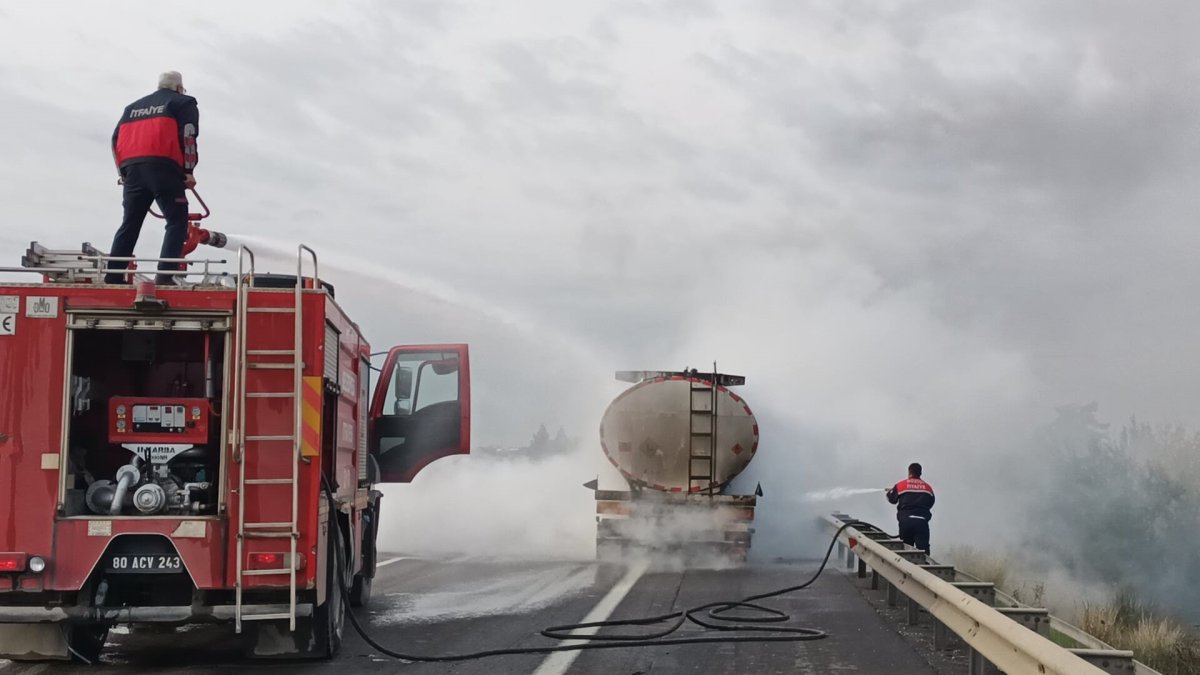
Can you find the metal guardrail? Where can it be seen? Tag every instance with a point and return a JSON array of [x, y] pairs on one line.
[[1005, 643], [1078, 635]]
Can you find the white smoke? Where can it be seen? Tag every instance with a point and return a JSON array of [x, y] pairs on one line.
[[495, 508]]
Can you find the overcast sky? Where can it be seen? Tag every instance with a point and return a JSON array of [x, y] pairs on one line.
[[916, 227]]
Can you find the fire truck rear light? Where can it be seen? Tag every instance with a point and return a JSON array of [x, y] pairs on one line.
[[12, 562], [266, 560], [273, 561], [37, 564]]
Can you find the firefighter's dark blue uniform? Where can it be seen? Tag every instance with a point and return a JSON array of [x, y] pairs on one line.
[[154, 146], [914, 499]]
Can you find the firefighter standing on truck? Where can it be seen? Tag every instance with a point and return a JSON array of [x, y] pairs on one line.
[[913, 498], [154, 147]]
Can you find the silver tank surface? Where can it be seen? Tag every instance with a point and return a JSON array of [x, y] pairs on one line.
[[646, 433]]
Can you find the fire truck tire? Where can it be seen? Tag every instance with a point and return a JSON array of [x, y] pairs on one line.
[[329, 619], [85, 642], [360, 593]]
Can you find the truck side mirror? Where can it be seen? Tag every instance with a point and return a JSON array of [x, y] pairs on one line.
[[445, 366], [404, 383]]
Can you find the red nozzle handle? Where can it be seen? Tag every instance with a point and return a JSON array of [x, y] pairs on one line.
[[191, 216]]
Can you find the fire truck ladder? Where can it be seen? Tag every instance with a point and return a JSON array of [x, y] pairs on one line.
[[702, 423], [259, 445], [89, 265]]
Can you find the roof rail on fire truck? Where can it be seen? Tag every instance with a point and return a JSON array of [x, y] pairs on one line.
[[89, 264]]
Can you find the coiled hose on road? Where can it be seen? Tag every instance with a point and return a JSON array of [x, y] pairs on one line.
[[713, 616]]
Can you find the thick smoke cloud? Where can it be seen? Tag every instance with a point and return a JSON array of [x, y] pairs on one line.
[[917, 228]]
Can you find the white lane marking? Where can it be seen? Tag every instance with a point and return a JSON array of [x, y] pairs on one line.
[[558, 662], [389, 561]]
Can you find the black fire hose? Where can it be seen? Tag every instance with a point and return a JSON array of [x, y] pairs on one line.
[[714, 616]]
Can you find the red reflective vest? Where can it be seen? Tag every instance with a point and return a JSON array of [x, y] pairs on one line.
[[912, 497], [160, 127]]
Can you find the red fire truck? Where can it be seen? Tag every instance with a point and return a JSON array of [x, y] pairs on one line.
[[203, 452]]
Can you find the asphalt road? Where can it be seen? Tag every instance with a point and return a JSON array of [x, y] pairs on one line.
[[424, 606]]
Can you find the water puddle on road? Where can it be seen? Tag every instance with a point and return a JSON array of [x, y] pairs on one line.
[[515, 592]]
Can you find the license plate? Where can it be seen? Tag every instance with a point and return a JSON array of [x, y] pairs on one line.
[[144, 564]]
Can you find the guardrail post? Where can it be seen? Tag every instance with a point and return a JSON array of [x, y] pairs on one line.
[[974, 662], [892, 594], [1036, 619], [914, 612], [1113, 661], [943, 572], [941, 635], [874, 580], [984, 591], [862, 569], [977, 665], [914, 556]]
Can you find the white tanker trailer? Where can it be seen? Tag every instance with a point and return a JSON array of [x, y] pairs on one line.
[[678, 439]]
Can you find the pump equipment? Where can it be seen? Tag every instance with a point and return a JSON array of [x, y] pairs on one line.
[[172, 468]]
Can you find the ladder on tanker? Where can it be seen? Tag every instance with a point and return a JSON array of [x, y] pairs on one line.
[[253, 445], [702, 438]]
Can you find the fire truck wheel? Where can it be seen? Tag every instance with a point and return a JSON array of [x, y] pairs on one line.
[[85, 641], [360, 593], [329, 619]]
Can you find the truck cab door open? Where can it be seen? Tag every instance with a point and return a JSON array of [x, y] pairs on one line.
[[421, 410]]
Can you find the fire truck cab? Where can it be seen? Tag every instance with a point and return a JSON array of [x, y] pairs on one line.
[[203, 452]]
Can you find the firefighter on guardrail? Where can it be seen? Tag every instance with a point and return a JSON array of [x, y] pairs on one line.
[[154, 147], [914, 499]]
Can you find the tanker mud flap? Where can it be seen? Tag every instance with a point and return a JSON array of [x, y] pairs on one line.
[[34, 641]]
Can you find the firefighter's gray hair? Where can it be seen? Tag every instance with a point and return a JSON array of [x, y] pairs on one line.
[[170, 80]]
